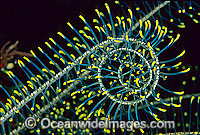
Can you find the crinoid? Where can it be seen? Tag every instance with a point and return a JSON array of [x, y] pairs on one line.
[[186, 117], [109, 70]]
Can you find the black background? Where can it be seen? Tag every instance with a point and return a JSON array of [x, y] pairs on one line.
[[32, 22]]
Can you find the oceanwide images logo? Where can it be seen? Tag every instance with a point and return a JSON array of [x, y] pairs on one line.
[[47, 123], [30, 122]]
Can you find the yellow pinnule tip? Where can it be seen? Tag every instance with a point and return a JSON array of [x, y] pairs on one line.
[[192, 98], [195, 20], [176, 105], [107, 7], [40, 49], [32, 53], [82, 18], [186, 70], [181, 54], [59, 33], [46, 43], [20, 63], [142, 131], [177, 37], [179, 93], [163, 110], [10, 73], [137, 8], [198, 99], [69, 24], [116, 2], [51, 39]]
